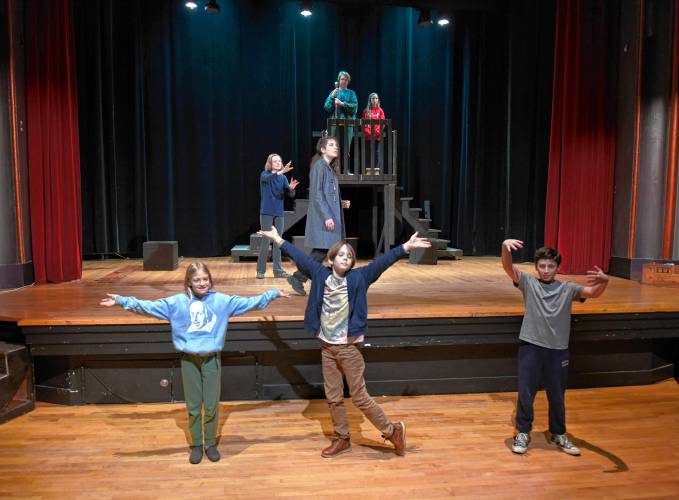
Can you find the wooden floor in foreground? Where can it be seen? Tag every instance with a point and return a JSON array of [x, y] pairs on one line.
[[458, 445]]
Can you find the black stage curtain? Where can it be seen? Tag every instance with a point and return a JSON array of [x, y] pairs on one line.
[[179, 109]]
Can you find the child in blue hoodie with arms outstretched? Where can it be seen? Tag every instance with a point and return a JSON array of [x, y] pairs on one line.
[[199, 318]]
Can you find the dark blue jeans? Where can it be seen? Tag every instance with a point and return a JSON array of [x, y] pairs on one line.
[[377, 163], [539, 366]]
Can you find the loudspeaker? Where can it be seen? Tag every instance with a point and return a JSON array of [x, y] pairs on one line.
[[160, 255], [17, 393]]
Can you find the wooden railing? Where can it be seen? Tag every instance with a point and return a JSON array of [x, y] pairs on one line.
[[370, 159]]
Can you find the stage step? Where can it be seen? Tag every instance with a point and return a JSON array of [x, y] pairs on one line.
[[239, 252], [449, 253], [291, 218], [439, 243]]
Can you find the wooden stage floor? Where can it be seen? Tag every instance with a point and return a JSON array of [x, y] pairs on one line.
[[458, 445], [471, 287]]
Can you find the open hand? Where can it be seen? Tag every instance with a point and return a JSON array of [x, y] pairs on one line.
[[109, 301], [284, 293], [416, 242], [512, 244], [288, 166], [272, 234], [293, 183], [596, 276]]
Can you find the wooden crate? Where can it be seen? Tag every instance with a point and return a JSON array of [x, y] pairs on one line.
[[660, 274]]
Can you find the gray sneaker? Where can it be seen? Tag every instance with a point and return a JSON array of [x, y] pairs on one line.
[[520, 444], [565, 444]]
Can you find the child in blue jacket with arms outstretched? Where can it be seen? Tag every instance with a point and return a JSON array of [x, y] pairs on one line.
[[337, 314]]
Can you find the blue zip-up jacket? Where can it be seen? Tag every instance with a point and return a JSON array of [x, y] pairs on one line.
[[358, 281], [272, 190], [198, 325]]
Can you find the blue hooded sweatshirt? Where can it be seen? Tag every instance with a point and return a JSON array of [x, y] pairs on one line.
[[198, 324]]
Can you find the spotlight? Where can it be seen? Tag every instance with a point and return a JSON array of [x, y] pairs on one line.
[[443, 21], [424, 19], [212, 7], [306, 8], [191, 5]]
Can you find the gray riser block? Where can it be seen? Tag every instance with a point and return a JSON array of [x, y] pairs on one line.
[[428, 256]]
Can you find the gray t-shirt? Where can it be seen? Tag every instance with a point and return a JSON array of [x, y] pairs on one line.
[[547, 319]]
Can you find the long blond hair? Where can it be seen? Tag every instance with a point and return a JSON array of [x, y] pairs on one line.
[[191, 270], [268, 166]]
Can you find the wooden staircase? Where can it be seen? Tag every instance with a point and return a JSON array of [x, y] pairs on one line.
[[404, 213], [252, 248], [411, 216]]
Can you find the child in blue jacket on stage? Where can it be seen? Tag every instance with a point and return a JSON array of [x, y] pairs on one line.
[[273, 187], [337, 313], [199, 318]]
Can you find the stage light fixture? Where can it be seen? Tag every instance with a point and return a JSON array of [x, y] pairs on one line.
[[443, 21], [424, 18], [212, 7], [191, 5], [306, 8]]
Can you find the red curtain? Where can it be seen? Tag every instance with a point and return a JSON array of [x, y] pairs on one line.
[[580, 183], [53, 146]]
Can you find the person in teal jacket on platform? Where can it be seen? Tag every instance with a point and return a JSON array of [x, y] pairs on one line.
[[342, 103]]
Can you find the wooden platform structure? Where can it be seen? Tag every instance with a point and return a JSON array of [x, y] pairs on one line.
[[432, 330], [389, 205], [458, 446]]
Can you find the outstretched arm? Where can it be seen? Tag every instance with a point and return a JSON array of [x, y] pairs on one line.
[[598, 281], [240, 305], [157, 308], [373, 270], [305, 263], [507, 247]]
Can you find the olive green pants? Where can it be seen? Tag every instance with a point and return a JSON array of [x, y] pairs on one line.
[[201, 376]]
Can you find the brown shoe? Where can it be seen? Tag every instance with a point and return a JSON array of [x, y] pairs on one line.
[[337, 447], [398, 438]]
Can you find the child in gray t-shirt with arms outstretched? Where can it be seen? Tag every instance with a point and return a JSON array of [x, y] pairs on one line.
[[543, 351]]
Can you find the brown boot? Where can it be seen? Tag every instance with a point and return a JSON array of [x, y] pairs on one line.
[[337, 447], [398, 438]]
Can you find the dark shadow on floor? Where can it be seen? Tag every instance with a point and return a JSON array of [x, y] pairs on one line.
[[542, 440]]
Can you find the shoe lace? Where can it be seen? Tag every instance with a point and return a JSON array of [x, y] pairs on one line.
[[564, 442], [521, 438]]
